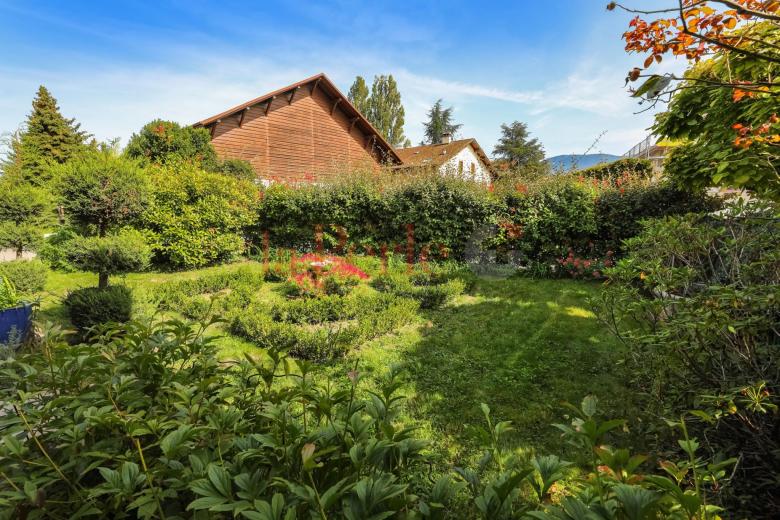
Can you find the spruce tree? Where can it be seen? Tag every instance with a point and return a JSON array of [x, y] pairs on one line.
[[517, 149], [47, 138], [358, 95], [439, 123], [385, 110]]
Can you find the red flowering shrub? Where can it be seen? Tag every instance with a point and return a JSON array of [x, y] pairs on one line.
[[324, 275], [579, 267]]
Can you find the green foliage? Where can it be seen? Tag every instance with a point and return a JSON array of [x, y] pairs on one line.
[[358, 95], [619, 214], [209, 295], [636, 168], [122, 253], [102, 190], [93, 306], [344, 322], [549, 218], [431, 290], [24, 211], [197, 218], [445, 211], [28, 276], [439, 123], [9, 297], [614, 486], [54, 251], [163, 142], [47, 139], [175, 433], [385, 110], [515, 147], [715, 152], [237, 168], [696, 300]]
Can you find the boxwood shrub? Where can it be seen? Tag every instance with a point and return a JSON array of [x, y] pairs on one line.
[[93, 306]]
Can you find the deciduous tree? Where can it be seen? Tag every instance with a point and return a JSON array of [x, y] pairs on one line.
[[382, 107], [725, 106]]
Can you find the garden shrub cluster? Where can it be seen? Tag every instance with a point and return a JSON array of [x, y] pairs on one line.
[[28, 276], [431, 289], [642, 168], [697, 301], [209, 295], [94, 306], [196, 218], [145, 422], [548, 218], [341, 323]]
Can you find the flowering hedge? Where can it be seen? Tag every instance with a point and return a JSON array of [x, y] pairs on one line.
[[367, 214]]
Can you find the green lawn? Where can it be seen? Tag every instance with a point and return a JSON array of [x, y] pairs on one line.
[[519, 345]]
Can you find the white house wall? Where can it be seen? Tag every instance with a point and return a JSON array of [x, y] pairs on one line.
[[468, 157]]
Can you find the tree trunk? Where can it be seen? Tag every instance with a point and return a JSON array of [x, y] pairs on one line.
[[19, 252], [102, 280]]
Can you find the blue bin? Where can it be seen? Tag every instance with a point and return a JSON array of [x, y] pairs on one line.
[[15, 323]]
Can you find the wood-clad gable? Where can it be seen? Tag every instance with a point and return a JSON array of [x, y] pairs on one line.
[[304, 132]]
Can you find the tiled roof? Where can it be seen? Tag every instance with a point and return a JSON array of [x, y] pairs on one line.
[[438, 154]]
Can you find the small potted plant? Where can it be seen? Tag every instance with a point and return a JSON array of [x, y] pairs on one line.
[[15, 314]]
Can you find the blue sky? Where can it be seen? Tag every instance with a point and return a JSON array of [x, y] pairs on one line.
[[556, 65]]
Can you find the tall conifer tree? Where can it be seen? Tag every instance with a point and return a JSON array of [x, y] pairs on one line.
[[47, 138], [439, 123]]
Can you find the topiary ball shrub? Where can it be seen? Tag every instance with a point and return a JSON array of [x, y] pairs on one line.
[[28, 276], [94, 306]]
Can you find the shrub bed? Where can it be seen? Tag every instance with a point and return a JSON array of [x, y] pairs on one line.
[[344, 323], [27, 276], [192, 298]]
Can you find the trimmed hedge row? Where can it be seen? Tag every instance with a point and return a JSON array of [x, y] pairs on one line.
[[370, 317], [443, 210]]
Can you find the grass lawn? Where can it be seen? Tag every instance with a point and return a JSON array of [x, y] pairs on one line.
[[520, 345]]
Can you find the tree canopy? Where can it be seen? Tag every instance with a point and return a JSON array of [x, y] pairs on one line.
[[516, 147], [382, 107], [46, 138], [160, 142], [724, 108], [440, 122]]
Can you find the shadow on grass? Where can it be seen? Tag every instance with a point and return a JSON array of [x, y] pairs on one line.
[[521, 346]]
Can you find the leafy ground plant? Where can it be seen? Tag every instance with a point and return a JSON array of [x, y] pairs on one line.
[[143, 422]]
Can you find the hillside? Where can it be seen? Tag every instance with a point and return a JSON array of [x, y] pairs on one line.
[[578, 161]]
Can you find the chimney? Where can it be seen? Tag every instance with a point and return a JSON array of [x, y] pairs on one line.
[[446, 137]]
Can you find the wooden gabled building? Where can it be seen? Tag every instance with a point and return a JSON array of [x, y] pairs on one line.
[[306, 131]]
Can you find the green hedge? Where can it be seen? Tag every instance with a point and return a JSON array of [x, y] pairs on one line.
[[443, 211], [546, 220], [635, 167]]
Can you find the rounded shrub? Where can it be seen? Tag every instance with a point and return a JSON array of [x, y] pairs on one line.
[[115, 254], [28, 276], [92, 306]]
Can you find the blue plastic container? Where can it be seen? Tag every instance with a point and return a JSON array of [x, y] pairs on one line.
[[15, 323]]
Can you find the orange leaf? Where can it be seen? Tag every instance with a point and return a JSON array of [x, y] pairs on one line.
[[730, 22], [648, 61]]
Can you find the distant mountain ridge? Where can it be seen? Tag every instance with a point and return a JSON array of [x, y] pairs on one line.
[[579, 161]]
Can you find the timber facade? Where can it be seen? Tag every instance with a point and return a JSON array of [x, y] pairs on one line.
[[304, 132]]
